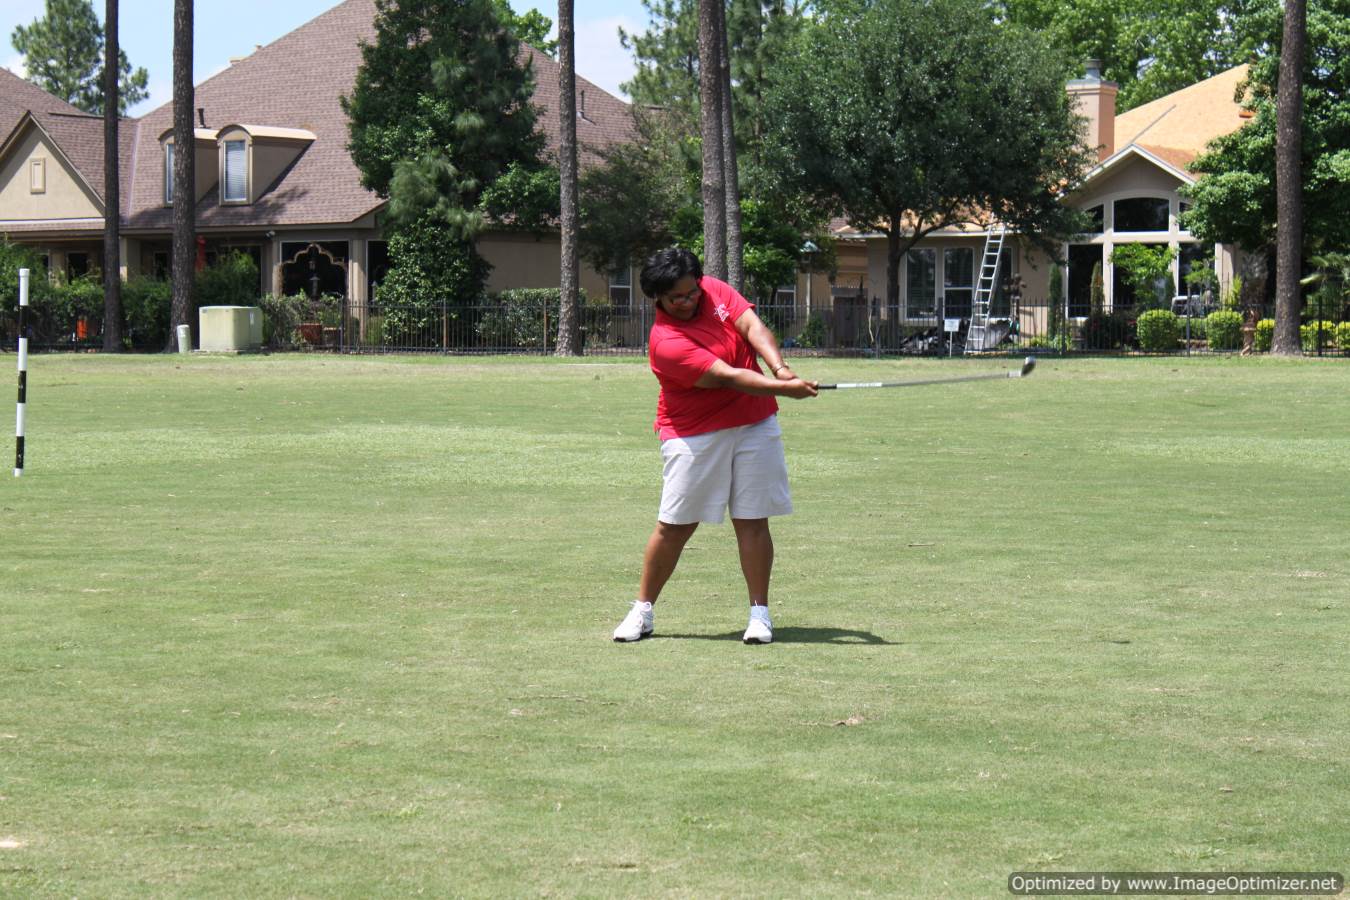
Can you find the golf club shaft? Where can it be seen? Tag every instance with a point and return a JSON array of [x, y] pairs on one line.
[[890, 384]]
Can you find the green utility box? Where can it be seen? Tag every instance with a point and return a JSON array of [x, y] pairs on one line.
[[230, 329]]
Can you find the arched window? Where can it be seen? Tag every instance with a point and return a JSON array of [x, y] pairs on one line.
[[1141, 214]]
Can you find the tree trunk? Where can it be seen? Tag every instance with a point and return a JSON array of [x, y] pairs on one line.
[[730, 173], [112, 195], [184, 172], [893, 266], [1288, 181], [710, 120], [569, 336]]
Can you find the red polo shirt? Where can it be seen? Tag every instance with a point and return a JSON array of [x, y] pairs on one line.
[[680, 352]]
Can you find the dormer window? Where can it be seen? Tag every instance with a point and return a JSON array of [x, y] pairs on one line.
[[236, 172], [204, 143], [168, 174], [252, 157]]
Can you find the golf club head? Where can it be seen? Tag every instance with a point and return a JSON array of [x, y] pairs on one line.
[[1027, 366]]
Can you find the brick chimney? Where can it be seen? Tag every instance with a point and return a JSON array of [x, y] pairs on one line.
[[1095, 100]]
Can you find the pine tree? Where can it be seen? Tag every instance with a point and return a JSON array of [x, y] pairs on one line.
[[184, 172], [1288, 181], [112, 202], [569, 337], [63, 53]]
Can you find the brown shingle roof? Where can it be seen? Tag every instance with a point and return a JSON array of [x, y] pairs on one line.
[[293, 82], [296, 82], [1177, 127], [602, 119], [78, 134]]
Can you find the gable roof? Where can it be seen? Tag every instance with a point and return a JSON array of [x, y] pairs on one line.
[[1177, 127], [296, 82], [78, 135]]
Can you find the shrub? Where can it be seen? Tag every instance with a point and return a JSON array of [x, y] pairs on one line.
[[1107, 331], [1199, 328], [1265, 335], [513, 319], [1232, 298], [282, 317], [232, 281], [813, 332], [1159, 330], [1343, 337], [1224, 328], [1309, 334], [146, 306]]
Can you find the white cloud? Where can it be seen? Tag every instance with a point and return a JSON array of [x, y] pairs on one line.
[[600, 58]]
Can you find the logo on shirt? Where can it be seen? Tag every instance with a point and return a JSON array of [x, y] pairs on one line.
[[722, 312]]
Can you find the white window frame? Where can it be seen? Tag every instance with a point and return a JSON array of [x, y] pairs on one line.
[[168, 174], [785, 294], [225, 196], [625, 285]]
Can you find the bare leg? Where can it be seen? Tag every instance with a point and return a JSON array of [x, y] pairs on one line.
[[663, 552], [756, 546]]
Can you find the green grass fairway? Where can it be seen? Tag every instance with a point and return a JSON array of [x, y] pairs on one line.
[[320, 626]]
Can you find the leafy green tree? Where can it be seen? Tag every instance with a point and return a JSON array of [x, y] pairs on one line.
[[530, 28], [439, 112], [63, 52], [759, 34], [1148, 47], [909, 116], [1234, 201], [628, 203], [1148, 270]]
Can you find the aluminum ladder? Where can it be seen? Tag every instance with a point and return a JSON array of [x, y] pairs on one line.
[[977, 336]]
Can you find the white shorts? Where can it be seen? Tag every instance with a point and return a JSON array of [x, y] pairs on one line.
[[738, 468]]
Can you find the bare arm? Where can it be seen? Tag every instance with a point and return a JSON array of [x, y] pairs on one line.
[[761, 339], [749, 381]]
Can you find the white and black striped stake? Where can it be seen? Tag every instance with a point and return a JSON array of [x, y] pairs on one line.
[[23, 373]]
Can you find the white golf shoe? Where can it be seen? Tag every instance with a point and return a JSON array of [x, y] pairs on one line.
[[760, 629], [637, 624]]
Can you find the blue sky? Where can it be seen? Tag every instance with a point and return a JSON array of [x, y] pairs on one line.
[[226, 28]]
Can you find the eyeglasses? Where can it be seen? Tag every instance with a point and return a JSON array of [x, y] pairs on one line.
[[688, 296]]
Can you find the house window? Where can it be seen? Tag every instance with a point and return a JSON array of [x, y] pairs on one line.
[[785, 295], [1141, 214], [1084, 260], [377, 267], [1000, 305], [621, 288], [1124, 295], [168, 174], [1095, 221], [958, 271], [37, 176], [236, 171], [921, 284], [1193, 257], [77, 265]]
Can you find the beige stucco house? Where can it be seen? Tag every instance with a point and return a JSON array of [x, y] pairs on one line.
[[274, 178], [1132, 195]]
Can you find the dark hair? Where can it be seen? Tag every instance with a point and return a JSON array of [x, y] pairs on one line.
[[665, 267]]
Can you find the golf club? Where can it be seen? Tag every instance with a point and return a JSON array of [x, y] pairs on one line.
[[1027, 365]]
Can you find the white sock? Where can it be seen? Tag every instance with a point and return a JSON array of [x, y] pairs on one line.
[[644, 605], [759, 612]]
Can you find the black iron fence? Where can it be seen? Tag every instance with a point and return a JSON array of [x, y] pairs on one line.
[[843, 326]]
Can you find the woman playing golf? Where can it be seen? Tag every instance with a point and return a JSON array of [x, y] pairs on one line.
[[716, 418]]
